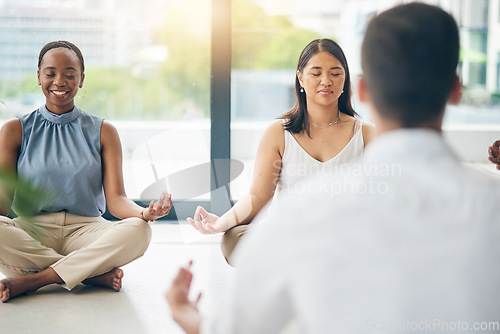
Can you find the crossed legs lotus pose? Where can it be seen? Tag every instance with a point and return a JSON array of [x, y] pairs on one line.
[[13, 287]]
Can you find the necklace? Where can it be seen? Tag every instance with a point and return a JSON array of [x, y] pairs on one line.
[[327, 125]]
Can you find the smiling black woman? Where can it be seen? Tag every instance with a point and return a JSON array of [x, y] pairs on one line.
[[76, 158]]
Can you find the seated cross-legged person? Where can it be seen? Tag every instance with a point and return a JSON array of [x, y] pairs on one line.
[[76, 159], [320, 133]]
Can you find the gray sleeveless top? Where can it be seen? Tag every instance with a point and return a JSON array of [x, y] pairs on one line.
[[62, 155]]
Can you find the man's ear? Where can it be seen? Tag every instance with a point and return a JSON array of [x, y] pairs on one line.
[[364, 94], [456, 92], [38, 76]]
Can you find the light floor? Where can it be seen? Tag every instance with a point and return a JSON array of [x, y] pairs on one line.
[[140, 307]]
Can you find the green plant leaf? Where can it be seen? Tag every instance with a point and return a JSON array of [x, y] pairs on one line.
[[27, 196]]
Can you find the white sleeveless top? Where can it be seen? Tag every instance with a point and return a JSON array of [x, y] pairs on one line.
[[297, 165]]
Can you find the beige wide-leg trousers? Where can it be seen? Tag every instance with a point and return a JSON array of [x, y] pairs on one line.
[[76, 247], [230, 240]]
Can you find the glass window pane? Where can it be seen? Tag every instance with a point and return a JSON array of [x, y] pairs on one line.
[[265, 49]]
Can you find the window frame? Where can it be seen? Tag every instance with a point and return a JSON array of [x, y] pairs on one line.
[[220, 119]]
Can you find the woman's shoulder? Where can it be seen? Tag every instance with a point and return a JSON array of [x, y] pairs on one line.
[[12, 125], [275, 130], [274, 135], [358, 123], [368, 131], [277, 125], [108, 129], [11, 131]]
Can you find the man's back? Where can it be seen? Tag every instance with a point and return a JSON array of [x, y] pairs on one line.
[[413, 244]]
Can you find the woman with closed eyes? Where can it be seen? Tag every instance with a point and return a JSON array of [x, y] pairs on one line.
[[320, 132]]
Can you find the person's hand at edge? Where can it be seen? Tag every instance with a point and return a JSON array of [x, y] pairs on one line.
[[494, 153], [184, 312]]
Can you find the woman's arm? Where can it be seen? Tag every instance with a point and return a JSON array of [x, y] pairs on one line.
[[265, 178], [118, 203], [10, 142]]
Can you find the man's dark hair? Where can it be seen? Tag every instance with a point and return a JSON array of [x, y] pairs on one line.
[[409, 59]]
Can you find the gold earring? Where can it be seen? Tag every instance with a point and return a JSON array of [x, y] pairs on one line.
[[81, 97]]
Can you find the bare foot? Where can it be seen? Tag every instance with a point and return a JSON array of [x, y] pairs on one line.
[[12, 287], [4, 290], [112, 279]]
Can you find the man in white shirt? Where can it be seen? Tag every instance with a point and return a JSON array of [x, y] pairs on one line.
[[406, 241]]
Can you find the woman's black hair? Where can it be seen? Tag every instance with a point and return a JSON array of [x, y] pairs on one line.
[[61, 44], [296, 120]]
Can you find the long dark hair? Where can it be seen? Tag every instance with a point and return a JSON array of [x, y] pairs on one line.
[[296, 118]]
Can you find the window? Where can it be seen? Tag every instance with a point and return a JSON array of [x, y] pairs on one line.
[[269, 35], [150, 72]]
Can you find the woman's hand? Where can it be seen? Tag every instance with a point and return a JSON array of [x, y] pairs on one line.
[[494, 152], [159, 208], [208, 223]]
